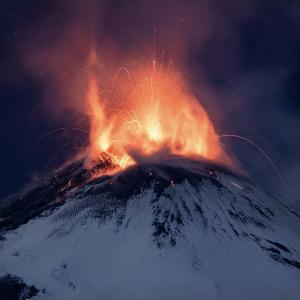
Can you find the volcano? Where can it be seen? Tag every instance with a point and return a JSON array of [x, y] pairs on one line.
[[177, 229]]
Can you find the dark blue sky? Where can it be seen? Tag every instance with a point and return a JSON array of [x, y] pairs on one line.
[[240, 57]]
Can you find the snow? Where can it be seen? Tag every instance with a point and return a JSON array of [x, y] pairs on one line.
[[93, 247]]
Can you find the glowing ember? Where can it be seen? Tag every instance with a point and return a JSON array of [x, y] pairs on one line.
[[148, 115]]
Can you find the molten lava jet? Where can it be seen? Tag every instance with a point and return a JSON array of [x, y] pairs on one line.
[[148, 114]]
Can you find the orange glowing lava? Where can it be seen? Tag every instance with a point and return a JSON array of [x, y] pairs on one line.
[[147, 114]]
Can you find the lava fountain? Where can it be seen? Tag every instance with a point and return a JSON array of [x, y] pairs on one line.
[[148, 114]]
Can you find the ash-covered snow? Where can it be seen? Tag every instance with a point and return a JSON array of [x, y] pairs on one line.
[[152, 232]]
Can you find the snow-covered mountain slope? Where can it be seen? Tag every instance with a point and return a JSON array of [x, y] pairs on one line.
[[188, 230]]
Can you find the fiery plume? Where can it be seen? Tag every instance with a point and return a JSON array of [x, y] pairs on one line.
[[147, 114]]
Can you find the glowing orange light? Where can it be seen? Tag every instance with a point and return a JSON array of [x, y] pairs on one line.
[[149, 114]]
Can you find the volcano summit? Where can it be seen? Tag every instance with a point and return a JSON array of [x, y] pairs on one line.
[[178, 229]]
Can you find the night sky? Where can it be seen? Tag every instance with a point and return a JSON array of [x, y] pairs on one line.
[[241, 59]]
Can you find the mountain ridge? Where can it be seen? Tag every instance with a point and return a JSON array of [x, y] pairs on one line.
[[194, 226]]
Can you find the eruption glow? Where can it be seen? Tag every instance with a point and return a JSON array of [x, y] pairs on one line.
[[146, 115]]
